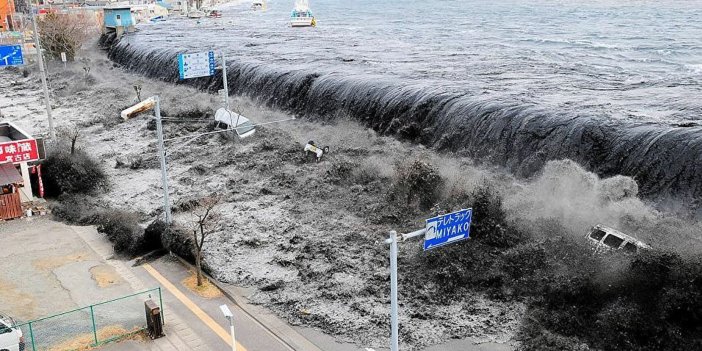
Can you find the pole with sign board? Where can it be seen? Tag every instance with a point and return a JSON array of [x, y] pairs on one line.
[[438, 231], [11, 55], [202, 64], [224, 82]]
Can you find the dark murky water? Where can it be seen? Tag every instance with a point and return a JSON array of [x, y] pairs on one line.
[[613, 85]]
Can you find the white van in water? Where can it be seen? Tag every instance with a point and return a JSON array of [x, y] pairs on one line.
[[11, 338], [604, 239]]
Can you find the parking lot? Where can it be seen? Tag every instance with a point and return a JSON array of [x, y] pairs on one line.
[[49, 270]]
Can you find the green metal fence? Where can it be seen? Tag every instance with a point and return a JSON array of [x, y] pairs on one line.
[[91, 325]]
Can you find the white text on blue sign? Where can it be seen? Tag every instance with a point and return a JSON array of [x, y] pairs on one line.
[[447, 229]]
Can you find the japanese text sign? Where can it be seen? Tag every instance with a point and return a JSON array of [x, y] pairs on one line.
[[201, 64], [19, 151], [448, 228]]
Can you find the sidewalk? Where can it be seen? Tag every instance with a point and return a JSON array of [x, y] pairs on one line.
[[179, 336], [262, 317], [208, 321]]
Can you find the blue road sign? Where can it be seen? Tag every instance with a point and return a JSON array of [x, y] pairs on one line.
[[11, 55], [201, 64], [448, 228]]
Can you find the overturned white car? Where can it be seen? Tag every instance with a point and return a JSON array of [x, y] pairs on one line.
[[312, 149], [605, 239], [232, 120]]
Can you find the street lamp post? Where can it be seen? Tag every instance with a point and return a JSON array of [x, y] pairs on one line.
[[45, 85], [154, 103], [228, 314]]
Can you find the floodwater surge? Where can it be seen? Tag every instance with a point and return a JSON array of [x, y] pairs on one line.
[[664, 159]]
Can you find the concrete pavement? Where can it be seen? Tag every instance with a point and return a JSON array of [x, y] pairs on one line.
[[74, 265], [250, 334], [179, 335], [191, 322]]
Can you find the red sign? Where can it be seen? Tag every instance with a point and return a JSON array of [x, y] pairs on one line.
[[19, 151]]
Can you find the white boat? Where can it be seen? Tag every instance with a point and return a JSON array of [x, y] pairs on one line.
[[196, 14], [301, 16]]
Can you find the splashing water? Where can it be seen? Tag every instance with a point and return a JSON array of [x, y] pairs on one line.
[[518, 83]]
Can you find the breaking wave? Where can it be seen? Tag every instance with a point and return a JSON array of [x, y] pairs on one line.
[[664, 159]]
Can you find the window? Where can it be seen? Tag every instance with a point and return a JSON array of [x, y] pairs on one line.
[[119, 17], [613, 241], [630, 248], [597, 234], [4, 329]]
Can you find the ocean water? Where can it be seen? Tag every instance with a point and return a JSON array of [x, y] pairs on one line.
[[613, 85], [617, 58]]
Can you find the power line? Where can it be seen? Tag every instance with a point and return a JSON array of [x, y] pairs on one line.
[[227, 130]]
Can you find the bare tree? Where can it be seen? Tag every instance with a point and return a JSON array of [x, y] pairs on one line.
[[86, 66], [204, 223], [71, 133], [137, 90], [65, 33]]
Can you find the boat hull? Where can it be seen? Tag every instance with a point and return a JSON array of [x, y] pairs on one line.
[[301, 22]]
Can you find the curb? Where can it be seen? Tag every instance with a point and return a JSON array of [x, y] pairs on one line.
[[295, 342]]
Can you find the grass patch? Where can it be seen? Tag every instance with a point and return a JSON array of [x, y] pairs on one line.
[[104, 275], [207, 290], [86, 341], [50, 263]]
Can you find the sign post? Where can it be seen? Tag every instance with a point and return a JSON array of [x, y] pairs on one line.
[[443, 230], [11, 55], [224, 82], [19, 151], [394, 325], [202, 64], [439, 231]]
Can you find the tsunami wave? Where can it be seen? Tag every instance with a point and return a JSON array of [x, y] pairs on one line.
[[664, 159]]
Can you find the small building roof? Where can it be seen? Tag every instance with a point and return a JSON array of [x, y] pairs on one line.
[[9, 174], [164, 4], [10, 132]]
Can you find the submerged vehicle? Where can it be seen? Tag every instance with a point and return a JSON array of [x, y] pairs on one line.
[[258, 5], [301, 16], [232, 120], [157, 19], [11, 338], [196, 14], [606, 239], [311, 149]]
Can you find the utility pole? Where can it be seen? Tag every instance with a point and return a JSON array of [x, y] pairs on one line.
[[40, 59], [162, 156], [154, 103]]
